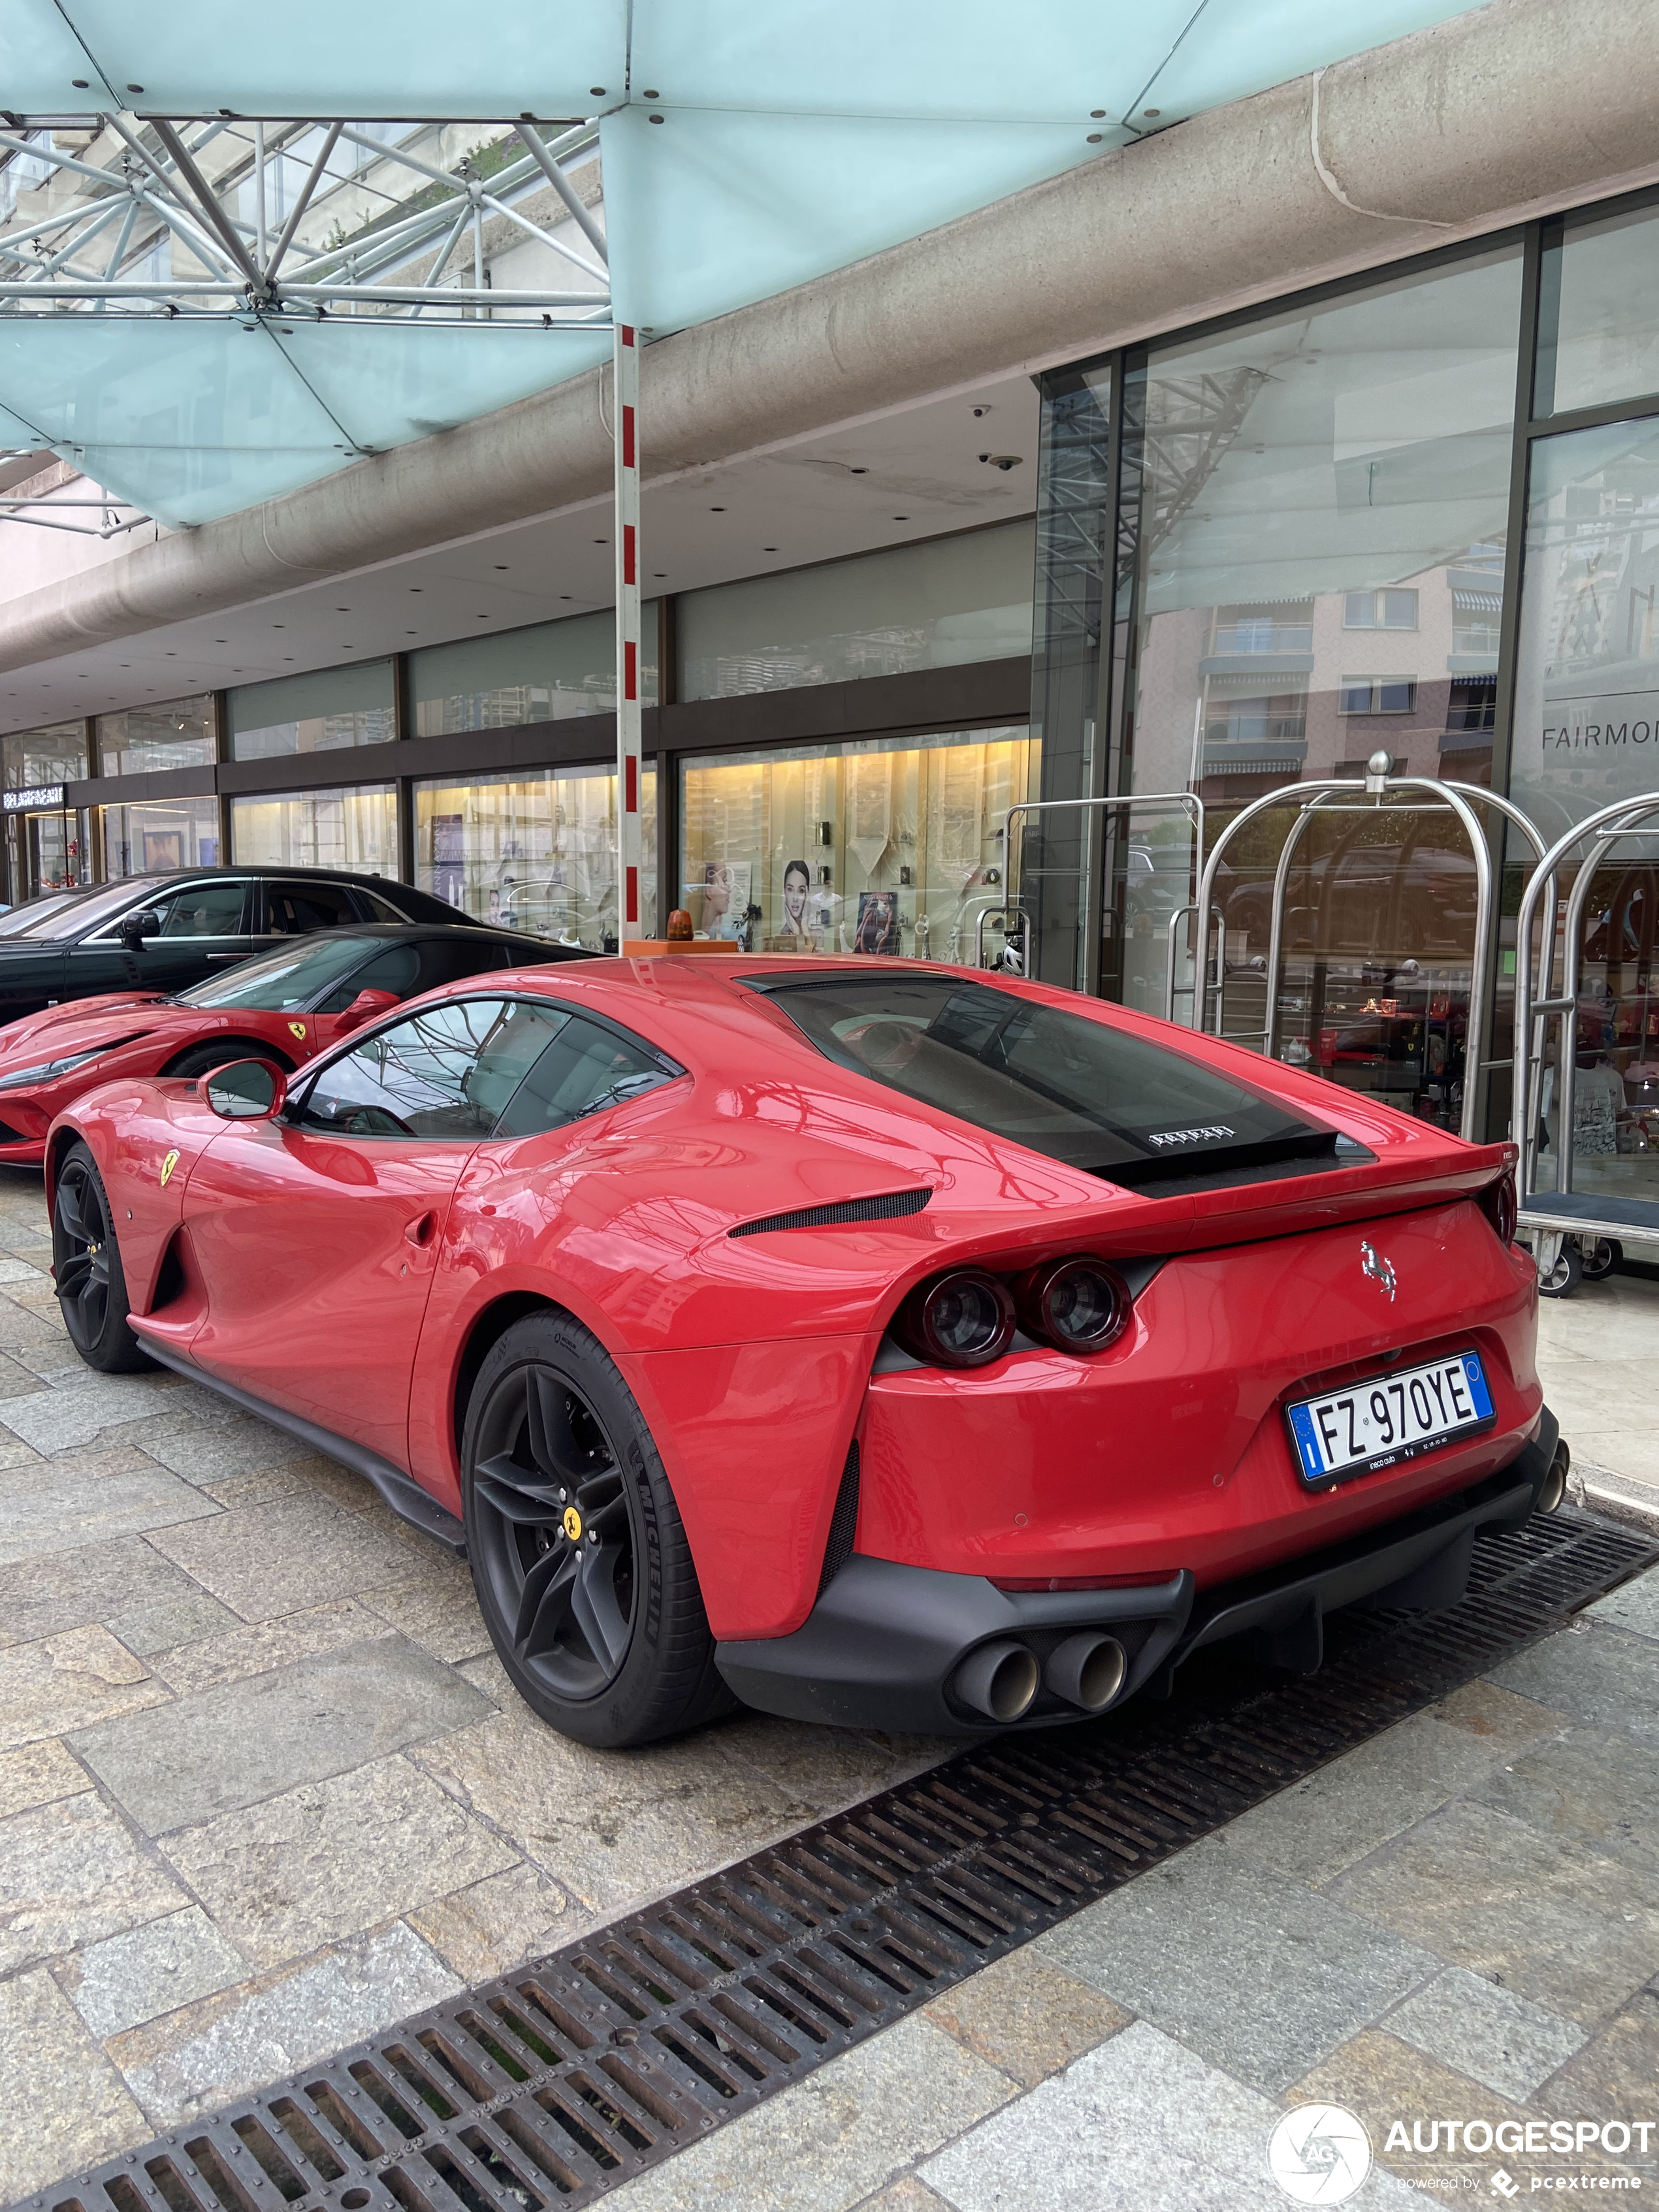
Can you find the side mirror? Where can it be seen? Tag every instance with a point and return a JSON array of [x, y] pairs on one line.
[[136, 927], [244, 1090], [364, 1007]]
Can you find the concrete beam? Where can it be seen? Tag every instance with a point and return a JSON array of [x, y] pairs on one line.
[[1517, 108]]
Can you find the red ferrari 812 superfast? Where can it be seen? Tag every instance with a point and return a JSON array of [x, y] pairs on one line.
[[868, 1341]]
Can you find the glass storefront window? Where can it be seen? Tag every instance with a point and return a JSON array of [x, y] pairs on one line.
[[536, 851], [327, 710], [354, 828], [31, 758], [937, 604], [542, 674], [155, 835], [179, 734], [1598, 314], [891, 847]]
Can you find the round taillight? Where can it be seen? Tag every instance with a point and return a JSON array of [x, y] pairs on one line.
[[1501, 1207], [1077, 1305], [963, 1319]]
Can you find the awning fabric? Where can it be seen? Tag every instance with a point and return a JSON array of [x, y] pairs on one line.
[[745, 149]]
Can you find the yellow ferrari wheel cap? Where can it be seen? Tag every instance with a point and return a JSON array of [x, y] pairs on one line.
[[167, 1166], [572, 1525]]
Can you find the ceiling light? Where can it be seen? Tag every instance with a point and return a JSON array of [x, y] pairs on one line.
[[500, 567], [901, 518], [859, 472]]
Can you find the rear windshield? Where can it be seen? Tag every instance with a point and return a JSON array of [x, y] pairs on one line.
[[1078, 1089]]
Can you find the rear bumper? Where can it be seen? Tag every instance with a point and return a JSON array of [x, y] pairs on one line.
[[881, 1646]]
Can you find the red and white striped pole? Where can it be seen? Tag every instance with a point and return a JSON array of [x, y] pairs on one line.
[[626, 411]]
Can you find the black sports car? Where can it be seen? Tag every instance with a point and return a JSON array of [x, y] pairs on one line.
[[166, 932]]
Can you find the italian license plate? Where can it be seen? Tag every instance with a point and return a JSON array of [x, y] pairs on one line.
[[1385, 1418]]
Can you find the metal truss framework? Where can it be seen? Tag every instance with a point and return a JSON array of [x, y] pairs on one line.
[[301, 218]]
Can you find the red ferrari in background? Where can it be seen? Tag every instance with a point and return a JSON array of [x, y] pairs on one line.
[[882, 1343], [288, 1004]]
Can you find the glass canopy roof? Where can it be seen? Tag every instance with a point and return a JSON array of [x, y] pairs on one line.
[[195, 327]]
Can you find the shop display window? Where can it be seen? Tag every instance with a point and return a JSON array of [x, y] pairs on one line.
[[545, 673], [156, 835], [355, 828], [177, 733], [535, 852], [323, 711], [1598, 314], [895, 846], [936, 605], [32, 758]]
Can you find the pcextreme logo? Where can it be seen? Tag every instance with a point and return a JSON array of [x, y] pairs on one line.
[[167, 1166]]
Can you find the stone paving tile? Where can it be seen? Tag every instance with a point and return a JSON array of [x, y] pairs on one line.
[[1634, 1608], [1574, 1930], [164, 1626], [16, 1382], [63, 2101], [1026, 2016], [1614, 2077], [87, 1582], [823, 1768], [500, 1923], [128, 1980], [217, 1441], [260, 1487], [69, 1681], [14, 1270], [1256, 1974], [1341, 1813], [70, 1874], [1484, 1710], [196, 2059], [70, 1418], [1142, 2122], [906, 2194], [824, 2143], [332, 1858], [1584, 1787], [1595, 1673], [435, 1608], [295, 1552], [37, 1774], [245, 1650], [1384, 2079], [55, 1505], [1500, 2039], [614, 1829], [231, 1747]]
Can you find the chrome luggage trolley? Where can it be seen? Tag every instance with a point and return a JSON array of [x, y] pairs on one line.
[[1346, 794], [1576, 1234], [1099, 815]]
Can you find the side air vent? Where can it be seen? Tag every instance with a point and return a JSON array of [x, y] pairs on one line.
[[844, 1521], [890, 1206]]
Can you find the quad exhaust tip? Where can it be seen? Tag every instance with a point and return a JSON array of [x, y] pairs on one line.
[[1087, 1670], [1555, 1482], [1000, 1680]]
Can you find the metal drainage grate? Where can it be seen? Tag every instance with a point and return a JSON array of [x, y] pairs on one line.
[[551, 2085]]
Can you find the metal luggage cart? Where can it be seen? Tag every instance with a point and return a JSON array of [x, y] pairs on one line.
[[1575, 1235]]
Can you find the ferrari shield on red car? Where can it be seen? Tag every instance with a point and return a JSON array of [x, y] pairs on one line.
[[868, 1341]]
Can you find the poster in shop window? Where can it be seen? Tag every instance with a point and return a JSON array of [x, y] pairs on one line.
[[878, 923]]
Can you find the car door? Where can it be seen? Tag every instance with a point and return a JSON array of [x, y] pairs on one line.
[[315, 1234], [202, 926]]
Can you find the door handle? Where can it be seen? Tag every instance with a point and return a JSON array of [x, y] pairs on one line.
[[418, 1233], [226, 956]]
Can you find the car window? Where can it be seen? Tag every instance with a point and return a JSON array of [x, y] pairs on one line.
[[453, 959], [24, 918], [292, 909], [397, 968], [93, 911], [1081, 1091], [288, 975], [208, 909], [378, 909], [584, 1068], [446, 1071]]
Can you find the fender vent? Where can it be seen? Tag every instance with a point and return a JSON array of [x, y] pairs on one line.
[[11, 1136], [889, 1207], [844, 1521]]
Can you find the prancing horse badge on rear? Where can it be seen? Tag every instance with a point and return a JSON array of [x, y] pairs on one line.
[[1380, 1271]]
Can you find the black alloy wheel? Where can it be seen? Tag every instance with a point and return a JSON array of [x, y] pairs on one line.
[[581, 1567], [87, 1272]]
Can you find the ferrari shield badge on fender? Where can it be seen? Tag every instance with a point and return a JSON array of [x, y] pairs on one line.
[[167, 1166], [296, 1029]]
